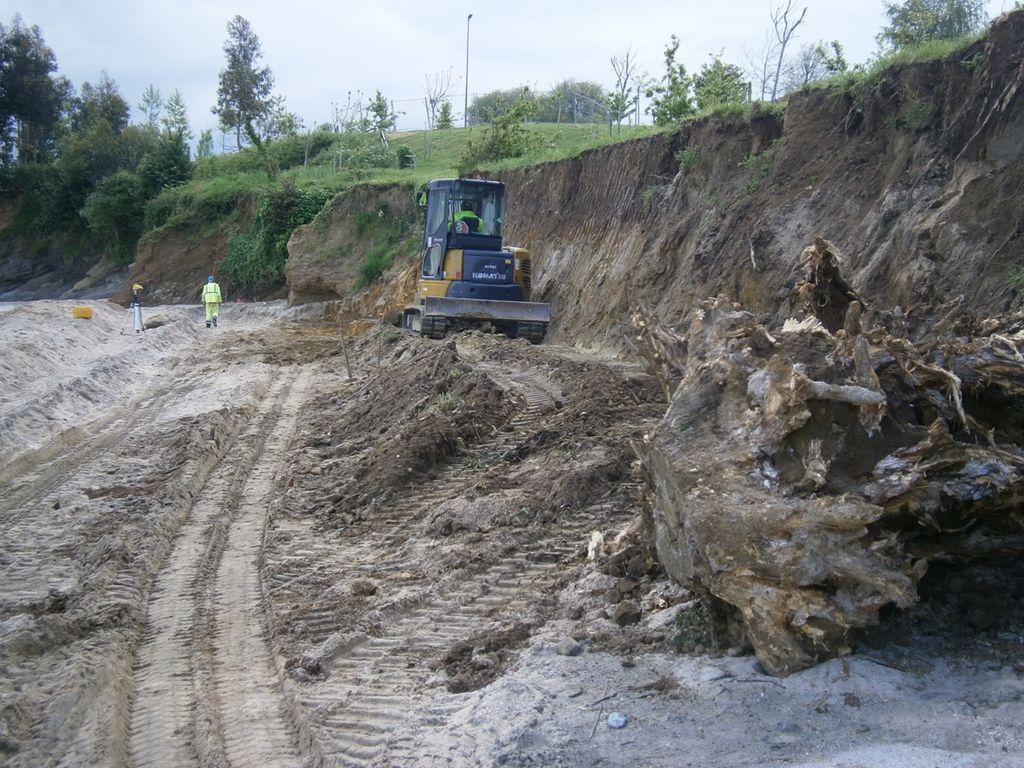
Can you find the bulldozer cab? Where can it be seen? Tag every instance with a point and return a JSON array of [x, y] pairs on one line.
[[461, 214], [468, 279]]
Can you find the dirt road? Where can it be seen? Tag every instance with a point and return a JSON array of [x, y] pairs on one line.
[[219, 549]]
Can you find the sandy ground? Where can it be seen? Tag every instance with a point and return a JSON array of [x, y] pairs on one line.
[[219, 548]]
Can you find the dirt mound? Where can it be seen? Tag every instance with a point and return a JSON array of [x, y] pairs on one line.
[[478, 661], [425, 406]]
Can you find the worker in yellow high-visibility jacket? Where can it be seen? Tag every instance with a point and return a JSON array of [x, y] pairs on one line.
[[211, 300]]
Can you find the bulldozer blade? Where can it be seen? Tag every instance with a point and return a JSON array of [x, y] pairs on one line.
[[487, 309]]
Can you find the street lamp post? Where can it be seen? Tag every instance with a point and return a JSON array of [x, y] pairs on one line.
[[465, 106]]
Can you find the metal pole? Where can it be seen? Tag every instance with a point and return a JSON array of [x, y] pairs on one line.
[[465, 106]]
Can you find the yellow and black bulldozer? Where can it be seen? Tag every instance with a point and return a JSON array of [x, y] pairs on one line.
[[468, 278]]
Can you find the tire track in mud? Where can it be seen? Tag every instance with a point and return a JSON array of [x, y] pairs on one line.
[[206, 693], [27, 508], [66, 453], [379, 691]]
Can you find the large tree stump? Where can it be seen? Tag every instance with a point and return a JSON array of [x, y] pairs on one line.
[[804, 480]]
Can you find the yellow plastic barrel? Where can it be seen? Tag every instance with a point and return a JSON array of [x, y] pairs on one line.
[[82, 313]]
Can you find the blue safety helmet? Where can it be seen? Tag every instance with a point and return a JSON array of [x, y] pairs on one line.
[[209, 279]]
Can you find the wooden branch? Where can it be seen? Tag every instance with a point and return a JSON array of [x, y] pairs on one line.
[[753, 255], [846, 393]]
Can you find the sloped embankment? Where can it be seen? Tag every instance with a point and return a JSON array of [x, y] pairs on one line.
[[914, 175], [367, 223]]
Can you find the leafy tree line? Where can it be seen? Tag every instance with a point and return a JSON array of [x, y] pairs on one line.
[[569, 101], [679, 95], [88, 175], [917, 21]]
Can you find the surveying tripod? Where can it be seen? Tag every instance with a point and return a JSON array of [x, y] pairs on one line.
[[134, 313]]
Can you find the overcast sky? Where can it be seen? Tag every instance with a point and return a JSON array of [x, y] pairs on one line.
[[319, 52]]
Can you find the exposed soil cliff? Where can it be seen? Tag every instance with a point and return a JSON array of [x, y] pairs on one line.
[[914, 175], [324, 256], [916, 178]]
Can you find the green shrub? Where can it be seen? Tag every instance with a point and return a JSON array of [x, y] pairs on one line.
[[405, 156], [759, 166], [1016, 279], [356, 152], [776, 109], [250, 264], [506, 136], [861, 79], [731, 109], [648, 196], [255, 259], [694, 627], [114, 211], [362, 222], [687, 158], [918, 115], [297, 151], [384, 238], [374, 264]]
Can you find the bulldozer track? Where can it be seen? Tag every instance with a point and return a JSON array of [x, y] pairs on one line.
[[76, 448], [26, 509], [379, 692], [205, 688]]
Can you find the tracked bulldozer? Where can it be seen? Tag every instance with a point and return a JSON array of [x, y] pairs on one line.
[[468, 278]]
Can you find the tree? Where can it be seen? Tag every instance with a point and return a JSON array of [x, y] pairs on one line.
[[86, 156], [31, 98], [784, 23], [573, 101], [444, 117], [814, 62], [437, 90], [719, 84], [506, 135], [175, 121], [279, 122], [620, 100], [915, 21], [115, 212], [620, 106], [759, 66], [244, 92], [493, 104], [167, 164], [382, 117], [150, 105], [96, 142], [98, 103], [136, 142], [350, 117], [204, 147], [670, 96]]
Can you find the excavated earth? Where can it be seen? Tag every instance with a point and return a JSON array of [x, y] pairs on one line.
[[267, 544]]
